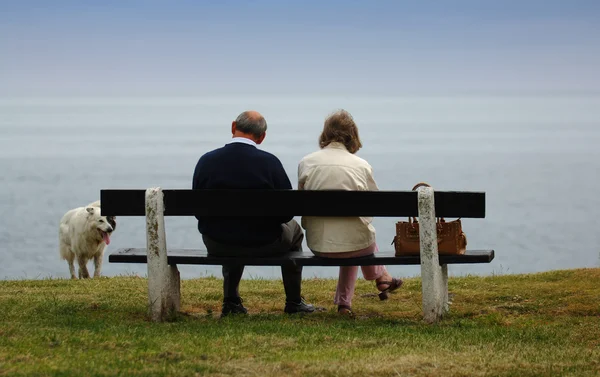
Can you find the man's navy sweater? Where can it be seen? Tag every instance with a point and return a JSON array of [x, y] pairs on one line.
[[241, 166]]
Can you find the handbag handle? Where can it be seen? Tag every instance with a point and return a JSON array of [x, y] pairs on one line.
[[420, 184], [424, 184]]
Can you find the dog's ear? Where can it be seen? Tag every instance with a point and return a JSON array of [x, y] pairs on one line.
[[90, 209]]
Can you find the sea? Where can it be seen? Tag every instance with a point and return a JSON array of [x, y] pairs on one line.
[[536, 158]]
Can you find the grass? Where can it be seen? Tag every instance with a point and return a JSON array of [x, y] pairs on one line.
[[545, 324]]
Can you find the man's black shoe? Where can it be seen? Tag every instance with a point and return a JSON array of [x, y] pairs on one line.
[[233, 306], [298, 307]]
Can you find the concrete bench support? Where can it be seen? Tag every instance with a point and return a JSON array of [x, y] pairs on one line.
[[163, 279], [434, 277]]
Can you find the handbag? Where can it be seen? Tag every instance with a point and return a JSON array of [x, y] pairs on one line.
[[450, 236]]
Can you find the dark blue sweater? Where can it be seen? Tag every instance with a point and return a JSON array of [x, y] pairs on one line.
[[241, 166]]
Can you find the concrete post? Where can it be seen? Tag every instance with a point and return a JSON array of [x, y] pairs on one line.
[[163, 280], [434, 277]]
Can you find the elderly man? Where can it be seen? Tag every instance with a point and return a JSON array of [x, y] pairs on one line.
[[241, 165]]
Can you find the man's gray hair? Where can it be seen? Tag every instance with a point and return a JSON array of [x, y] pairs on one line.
[[250, 124]]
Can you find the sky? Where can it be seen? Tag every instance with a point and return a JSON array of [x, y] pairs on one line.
[[203, 48]]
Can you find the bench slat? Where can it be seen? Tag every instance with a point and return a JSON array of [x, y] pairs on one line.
[[192, 256], [187, 202]]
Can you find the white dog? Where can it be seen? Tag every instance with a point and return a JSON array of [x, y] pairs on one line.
[[83, 234]]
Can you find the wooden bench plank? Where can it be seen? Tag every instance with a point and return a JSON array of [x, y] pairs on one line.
[[200, 257], [182, 202]]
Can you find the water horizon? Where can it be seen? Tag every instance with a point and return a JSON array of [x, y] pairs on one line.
[[534, 156]]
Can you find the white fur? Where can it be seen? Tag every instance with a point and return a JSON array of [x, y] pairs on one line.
[[80, 238]]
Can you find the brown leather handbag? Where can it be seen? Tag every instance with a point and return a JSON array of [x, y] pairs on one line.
[[450, 237]]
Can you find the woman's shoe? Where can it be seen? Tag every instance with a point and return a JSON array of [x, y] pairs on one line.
[[345, 310], [392, 286]]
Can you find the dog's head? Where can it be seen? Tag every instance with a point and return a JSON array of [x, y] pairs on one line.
[[105, 225]]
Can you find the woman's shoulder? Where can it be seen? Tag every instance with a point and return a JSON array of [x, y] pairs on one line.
[[360, 162], [312, 157], [332, 156]]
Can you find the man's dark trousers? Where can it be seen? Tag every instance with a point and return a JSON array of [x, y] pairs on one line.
[[290, 241]]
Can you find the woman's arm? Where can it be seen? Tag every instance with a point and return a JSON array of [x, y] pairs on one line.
[[301, 176], [371, 184]]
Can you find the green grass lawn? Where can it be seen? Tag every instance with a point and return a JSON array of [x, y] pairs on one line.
[[544, 324]]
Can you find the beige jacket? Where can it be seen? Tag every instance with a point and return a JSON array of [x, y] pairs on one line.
[[334, 168]]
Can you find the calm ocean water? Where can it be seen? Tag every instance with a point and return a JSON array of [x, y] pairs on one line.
[[537, 158]]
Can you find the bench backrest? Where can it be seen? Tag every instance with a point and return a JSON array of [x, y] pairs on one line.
[[187, 202]]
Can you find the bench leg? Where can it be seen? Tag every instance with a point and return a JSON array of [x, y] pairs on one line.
[[444, 289], [173, 287], [433, 276], [163, 280]]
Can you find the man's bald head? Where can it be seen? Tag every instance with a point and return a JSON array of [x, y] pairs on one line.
[[252, 114], [251, 123]]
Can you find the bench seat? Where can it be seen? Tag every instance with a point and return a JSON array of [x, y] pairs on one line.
[[200, 257]]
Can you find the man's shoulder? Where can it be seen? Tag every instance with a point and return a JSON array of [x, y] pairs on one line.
[[267, 155], [241, 149], [211, 154], [253, 153]]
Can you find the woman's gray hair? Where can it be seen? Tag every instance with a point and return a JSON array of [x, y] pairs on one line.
[[248, 124]]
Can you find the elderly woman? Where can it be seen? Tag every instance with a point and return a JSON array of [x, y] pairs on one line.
[[336, 167]]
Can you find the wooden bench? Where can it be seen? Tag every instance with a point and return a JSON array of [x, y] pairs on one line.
[[163, 275]]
